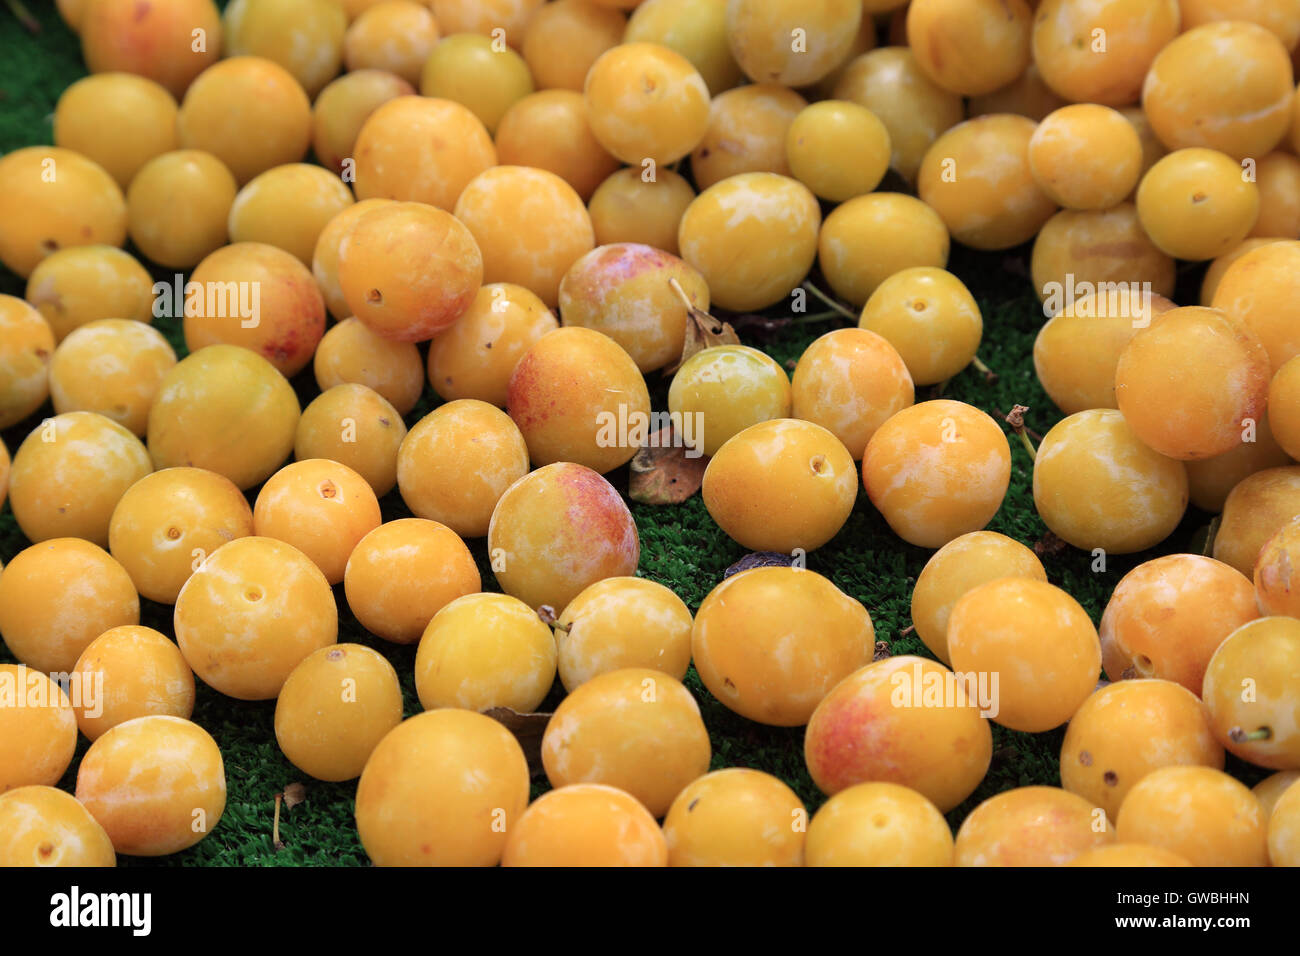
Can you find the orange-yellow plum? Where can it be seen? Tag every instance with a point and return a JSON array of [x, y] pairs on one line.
[[157, 785], [783, 485], [1255, 510], [851, 381], [343, 107], [838, 149], [482, 16], [789, 42], [420, 149], [747, 133], [408, 270], [964, 563], [937, 470], [112, 367], [1068, 50], [1278, 178], [929, 316], [628, 208], [325, 257], [915, 110], [357, 427], [558, 530], [1031, 826], [248, 112], [1260, 289], [903, 720], [397, 36], [288, 207], [58, 596], [622, 622], [1197, 203], [44, 826], [26, 349], [1085, 156], [40, 729], [1276, 590], [1269, 790], [697, 30], [226, 409], [586, 824], [170, 43], [322, 508], [403, 573], [277, 310], [118, 120], [352, 354], [472, 69], [168, 522], [69, 474], [970, 47], [1200, 813], [549, 130], [753, 237], [563, 39], [128, 672], [736, 817], [303, 36], [178, 207], [770, 642], [55, 199], [1211, 479], [1097, 486], [476, 356], [1225, 86], [1037, 640], [1028, 95], [977, 177], [1284, 402], [443, 788], [1221, 371], [335, 708], [1125, 730], [483, 651], [1076, 351], [1251, 687], [625, 291], [1105, 252], [869, 238], [76, 286], [530, 226], [879, 824], [720, 391], [1284, 830], [251, 613], [576, 396], [1167, 616], [636, 729], [646, 101]]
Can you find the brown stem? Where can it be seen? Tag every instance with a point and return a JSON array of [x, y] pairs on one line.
[[990, 376], [1017, 422]]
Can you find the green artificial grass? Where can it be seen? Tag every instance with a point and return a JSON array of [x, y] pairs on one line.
[[681, 547]]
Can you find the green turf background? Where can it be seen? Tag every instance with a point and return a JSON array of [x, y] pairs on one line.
[[680, 545]]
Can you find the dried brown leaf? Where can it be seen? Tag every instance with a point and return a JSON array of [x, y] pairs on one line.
[[528, 730], [661, 474], [702, 331]]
